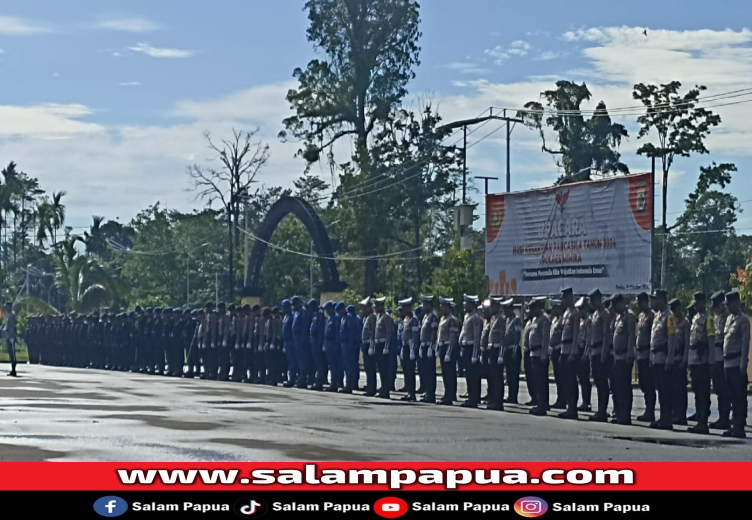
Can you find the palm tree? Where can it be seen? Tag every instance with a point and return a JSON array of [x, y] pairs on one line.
[[93, 238], [45, 219], [85, 283], [58, 214]]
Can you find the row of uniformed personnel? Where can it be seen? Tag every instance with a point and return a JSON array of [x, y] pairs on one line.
[[603, 336]]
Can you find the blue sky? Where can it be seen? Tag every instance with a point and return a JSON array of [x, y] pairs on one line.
[[109, 99]]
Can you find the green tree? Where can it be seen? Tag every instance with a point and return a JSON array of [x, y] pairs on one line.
[[58, 214], [371, 49], [83, 280], [44, 219], [583, 144], [676, 122], [461, 272]]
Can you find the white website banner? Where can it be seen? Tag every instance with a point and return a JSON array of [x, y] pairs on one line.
[[589, 235]]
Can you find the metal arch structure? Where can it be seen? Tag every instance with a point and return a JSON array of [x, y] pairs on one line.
[[307, 215]]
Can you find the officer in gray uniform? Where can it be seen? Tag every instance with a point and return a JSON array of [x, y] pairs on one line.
[[697, 358], [625, 339], [485, 334], [382, 342], [735, 359], [472, 330], [410, 346], [512, 350], [557, 327], [448, 350], [494, 369], [527, 361], [720, 315], [540, 336], [428, 338], [599, 354], [368, 345], [683, 328], [662, 352], [569, 359], [644, 370], [583, 370]]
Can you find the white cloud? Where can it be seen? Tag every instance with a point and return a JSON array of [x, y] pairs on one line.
[[48, 120], [264, 103], [13, 26], [501, 54], [549, 55], [466, 67], [130, 84], [155, 52], [135, 24]]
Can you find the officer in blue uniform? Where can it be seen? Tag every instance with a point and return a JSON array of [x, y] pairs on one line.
[[316, 341], [332, 348], [300, 331], [289, 344]]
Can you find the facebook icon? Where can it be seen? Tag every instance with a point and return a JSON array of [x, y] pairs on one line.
[[110, 507]]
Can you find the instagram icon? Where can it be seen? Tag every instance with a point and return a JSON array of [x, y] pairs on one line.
[[530, 507]]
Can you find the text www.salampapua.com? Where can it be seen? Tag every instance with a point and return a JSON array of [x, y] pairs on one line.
[[311, 475]]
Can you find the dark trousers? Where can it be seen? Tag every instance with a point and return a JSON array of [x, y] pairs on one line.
[[530, 379], [371, 369], [408, 370], [664, 385], [303, 355], [583, 378], [495, 379], [384, 368], [210, 362], [291, 359], [420, 363], [429, 371], [540, 376], [601, 371], [334, 360], [319, 360], [623, 389], [569, 368], [448, 359], [512, 361], [647, 384], [11, 345], [558, 376], [223, 374], [275, 360], [679, 408], [239, 368], [192, 359], [258, 372], [472, 374], [736, 384], [701, 387], [721, 391]]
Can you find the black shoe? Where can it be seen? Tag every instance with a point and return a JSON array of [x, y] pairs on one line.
[[318, 388], [613, 420], [538, 412], [680, 421], [332, 389], [568, 415], [599, 417], [469, 404], [662, 425], [646, 417], [532, 402], [370, 394], [420, 390], [12, 373], [692, 417], [445, 402], [735, 433], [289, 384], [408, 398], [558, 406], [624, 422], [301, 386], [345, 391], [584, 408], [402, 390], [702, 429], [464, 396], [428, 400], [509, 400], [721, 424], [384, 395]]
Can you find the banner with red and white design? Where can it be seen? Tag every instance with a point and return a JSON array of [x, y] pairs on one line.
[[588, 235]]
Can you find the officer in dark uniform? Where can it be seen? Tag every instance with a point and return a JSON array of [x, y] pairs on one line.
[[332, 348], [301, 325], [316, 334], [347, 331], [190, 343], [276, 361], [289, 344]]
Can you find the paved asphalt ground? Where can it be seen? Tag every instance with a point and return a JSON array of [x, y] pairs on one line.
[[87, 415]]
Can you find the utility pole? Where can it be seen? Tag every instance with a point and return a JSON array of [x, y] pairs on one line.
[[246, 257], [464, 167], [216, 289], [487, 179]]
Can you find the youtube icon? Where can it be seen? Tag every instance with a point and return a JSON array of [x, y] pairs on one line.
[[390, 507]]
